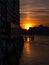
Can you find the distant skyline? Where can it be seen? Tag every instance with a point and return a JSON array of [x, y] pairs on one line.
[[35, 12]]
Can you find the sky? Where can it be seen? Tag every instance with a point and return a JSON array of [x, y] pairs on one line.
[[35, 12]]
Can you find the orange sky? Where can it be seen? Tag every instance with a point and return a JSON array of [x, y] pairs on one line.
[[24, 23], [34, 12]]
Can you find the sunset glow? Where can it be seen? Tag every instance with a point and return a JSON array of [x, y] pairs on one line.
[[34, 12], [27, 26]]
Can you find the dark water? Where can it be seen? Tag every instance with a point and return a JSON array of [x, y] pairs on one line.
[[35, 52]]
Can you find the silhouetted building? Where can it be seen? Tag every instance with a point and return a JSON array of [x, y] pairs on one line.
[[13, 11], [9, 14], [4, 25]]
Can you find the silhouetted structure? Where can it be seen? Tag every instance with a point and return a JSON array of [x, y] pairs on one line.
[[13, 11], [40, 30], [9, 46]]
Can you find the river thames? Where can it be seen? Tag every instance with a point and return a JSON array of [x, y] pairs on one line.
[[35, 51]]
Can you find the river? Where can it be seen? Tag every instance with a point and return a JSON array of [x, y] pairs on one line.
[[35, 51]]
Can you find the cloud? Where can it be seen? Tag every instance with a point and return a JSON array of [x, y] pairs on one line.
[[36, 8]]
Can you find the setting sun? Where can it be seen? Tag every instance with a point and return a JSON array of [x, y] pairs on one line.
[[27, 23], [27, 26]]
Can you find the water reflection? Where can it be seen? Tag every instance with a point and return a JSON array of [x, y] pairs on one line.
[[27, 49], [36, 52], [28, 39], [27, 46]]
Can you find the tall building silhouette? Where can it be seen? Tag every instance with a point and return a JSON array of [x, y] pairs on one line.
[[9, 14], [13, 11], [4, 29], [4, 25], [13, 15]]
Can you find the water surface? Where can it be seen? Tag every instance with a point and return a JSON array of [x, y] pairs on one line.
[[36, 52]]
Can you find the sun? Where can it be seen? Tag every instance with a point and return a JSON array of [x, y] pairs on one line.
[[27, 26]]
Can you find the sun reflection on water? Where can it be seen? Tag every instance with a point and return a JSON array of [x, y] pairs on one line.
[[27, 48], [28, 39]]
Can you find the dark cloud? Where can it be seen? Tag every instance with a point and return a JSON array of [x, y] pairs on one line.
[[22, 15], [37, 8]]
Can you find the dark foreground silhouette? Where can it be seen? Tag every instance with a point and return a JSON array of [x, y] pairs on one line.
[[13, 51], [40, 30]]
